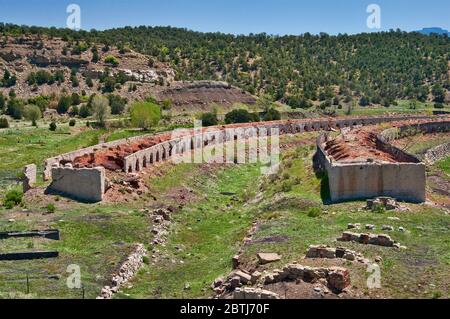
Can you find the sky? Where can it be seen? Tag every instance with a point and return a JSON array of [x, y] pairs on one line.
[[234, 16]]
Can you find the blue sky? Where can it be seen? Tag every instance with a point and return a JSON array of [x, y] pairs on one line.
[[234, 16]]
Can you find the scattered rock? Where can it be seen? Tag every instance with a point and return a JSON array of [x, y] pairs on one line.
[[371, 239], [267, 258], [235, 261], [127, 271], [254, 294], [370, 227], [387, 228]]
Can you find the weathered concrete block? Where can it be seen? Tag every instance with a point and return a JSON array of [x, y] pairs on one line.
[[29, 177], [82, 184]]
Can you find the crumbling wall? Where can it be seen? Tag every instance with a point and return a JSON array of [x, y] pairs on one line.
[[87, 185], [436, 154]]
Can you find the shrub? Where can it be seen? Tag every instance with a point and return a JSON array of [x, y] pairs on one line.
[[209, 119], [272, 115], [64, 103], [85, 111], [12, 198], [72, 123], [240, 116], [112, 60], [53, 126], [4, 122], [101, 110], [314, 212], [439, 106], [145, 114], [50, 209], [33, 113], [117, 104], [15, 108]]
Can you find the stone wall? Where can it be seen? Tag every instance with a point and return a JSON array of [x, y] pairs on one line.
[[436, 154], [86, 185]]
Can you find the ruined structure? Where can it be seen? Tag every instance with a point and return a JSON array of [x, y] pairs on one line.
[[72, 172], [361, 164]]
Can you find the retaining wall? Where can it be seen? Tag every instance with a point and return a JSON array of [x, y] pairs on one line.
[[405, 181], [436, 154], [87, 185]]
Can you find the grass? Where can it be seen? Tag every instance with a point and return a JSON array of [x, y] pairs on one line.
[[96, 238], [444, 165], [19, 147], [207, 231]]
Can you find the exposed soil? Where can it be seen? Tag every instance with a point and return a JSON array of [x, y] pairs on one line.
[[304, 290]]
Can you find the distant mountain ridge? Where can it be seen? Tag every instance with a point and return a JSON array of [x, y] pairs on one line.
[[434, 30]]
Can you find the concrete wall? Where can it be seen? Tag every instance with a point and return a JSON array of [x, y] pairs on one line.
[[87, 185], [286, 127], [403, 181]]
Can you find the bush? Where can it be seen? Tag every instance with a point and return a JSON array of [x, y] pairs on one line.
[[53, 126], [272, 115], [241, 116], [439, 106], [209, 119], [50, 209], [15, 108], [145, 114], [101, 110], [12, 198], [314, 212], [112, 60], [117, 104], [85, 111], [4, 122], [64, 103], [33, 113], [72, 123]]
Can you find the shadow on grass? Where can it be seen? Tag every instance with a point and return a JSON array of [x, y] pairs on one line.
[[324, 187]]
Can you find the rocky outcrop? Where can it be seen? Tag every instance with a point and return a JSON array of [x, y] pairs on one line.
[[127, 271]]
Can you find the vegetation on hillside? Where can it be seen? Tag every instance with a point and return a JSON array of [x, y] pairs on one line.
[[374, 68]]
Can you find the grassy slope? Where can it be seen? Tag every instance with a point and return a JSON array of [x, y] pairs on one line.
[[207, 230], [445, 165]]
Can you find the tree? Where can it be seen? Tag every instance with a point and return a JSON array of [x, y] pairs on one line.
[[52, 126], [64, 103], [33, 113], [76, 100], [84, 111], [15, 108], [2, 102], [145, 115], [272, 115], [241, 116], [364, 101], [117, 104], [101, 110], [209, 119], [438, 93]]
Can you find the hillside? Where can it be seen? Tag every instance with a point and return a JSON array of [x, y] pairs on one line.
[[379, 67]]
